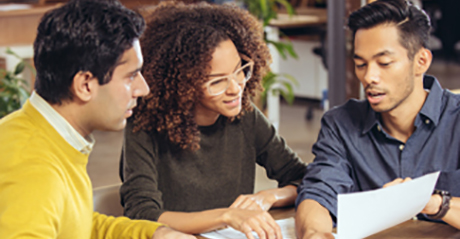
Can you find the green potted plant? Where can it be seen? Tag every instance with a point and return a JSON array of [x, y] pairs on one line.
[[278, 84], [13, 88]]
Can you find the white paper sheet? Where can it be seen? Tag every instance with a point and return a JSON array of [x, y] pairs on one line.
[[365, 213], [287, 230]]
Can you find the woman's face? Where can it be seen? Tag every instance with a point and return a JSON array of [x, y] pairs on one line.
[[225, 61]]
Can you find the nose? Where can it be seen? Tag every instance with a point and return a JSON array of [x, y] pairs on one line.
[[142, 89], [371, 75], [233, 88]]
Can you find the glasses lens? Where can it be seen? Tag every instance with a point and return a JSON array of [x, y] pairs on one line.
[[244, 74], [218, 85]]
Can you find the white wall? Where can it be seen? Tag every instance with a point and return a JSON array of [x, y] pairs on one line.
[[307, 69]]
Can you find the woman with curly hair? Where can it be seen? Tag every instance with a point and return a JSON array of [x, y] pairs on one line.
[[190, 152]]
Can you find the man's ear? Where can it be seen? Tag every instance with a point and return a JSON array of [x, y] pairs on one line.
[[84, 86], [422, 61]]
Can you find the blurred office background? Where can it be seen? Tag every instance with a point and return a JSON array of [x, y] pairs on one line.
[[323, 70]]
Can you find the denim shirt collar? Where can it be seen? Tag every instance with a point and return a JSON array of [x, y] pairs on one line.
[[431, 109]]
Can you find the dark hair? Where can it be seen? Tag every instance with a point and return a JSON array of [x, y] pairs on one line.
[[413, 23], [82, 35], [177, 46]]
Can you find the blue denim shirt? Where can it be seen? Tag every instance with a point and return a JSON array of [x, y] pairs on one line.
[[354, 153]]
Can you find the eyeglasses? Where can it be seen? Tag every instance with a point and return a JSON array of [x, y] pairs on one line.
[[219, 85]]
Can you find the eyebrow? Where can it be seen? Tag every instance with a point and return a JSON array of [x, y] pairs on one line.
[[236, 67], [134, 71], [383, 53], [129, 73]]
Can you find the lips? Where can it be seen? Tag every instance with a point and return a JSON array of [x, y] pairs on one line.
[[129, 112], [375, 97], [132, 106], [233, 103]]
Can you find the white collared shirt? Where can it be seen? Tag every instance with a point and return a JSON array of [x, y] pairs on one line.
[[80, 143]]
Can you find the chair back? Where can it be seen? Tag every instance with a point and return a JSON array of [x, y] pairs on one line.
[[106, 200]]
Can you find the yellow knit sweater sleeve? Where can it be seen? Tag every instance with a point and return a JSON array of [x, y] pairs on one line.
[[45, 191], [109, 227], [31, 203]]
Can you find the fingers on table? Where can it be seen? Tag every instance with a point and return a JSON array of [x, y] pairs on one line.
[[264, 225]]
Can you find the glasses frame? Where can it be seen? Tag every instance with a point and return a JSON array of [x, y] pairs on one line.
[[233, 75]]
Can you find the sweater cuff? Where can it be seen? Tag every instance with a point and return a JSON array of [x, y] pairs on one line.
[[149, 226]]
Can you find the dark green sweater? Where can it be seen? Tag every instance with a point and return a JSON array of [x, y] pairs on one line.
[[158, 176]]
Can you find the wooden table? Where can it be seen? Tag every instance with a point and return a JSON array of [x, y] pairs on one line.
[[408, 230]]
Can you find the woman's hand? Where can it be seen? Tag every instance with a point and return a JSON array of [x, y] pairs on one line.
[[247, 221], [319, 235], [169, 233], [262, 200]]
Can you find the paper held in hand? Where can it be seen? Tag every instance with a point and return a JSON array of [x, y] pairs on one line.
[[365, 213]]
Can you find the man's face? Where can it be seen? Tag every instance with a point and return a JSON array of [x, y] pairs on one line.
[[384, 68], [115, 100]]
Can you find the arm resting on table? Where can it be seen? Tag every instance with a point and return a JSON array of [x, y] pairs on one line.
[[194, 222], [242, 220], [313, 220], [453, 215], [285, 196]]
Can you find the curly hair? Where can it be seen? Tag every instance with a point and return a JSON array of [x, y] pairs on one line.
[[177, 46]]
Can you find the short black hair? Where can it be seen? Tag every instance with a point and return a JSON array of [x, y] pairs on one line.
[[413, 23], [83, 35]]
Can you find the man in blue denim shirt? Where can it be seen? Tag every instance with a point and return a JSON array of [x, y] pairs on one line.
[[407, 127]]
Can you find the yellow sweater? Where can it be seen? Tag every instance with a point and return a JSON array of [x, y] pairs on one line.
[[45, 191]]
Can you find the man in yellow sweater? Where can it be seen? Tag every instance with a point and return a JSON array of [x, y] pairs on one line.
[[88, 62]]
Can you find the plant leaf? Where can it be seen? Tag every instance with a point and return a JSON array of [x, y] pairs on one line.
[[290, 49], [290, 10], [263, 7], [279, 47], [11, 52], [290, 78], [269, 80], [23, 96], [13, 91], [19, 68]]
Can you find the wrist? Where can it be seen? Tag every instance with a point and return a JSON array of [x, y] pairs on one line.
[[224, 215], [271, 196], [313, 234], [444, 205], [436, 206], [309, 232]]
